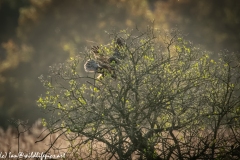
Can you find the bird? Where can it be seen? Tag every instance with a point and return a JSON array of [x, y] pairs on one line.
[[119, 42], [91, 66], [101, 68], [97, 55], [117, 56], [104, 64]]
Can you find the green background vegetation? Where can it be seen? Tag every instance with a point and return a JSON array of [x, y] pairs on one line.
[[36, 34]]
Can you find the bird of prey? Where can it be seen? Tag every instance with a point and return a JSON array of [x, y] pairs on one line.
[[91, 66], [102, 63], [101, 68]]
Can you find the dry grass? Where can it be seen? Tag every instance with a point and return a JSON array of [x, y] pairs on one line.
[[9, 140], [97, 150], [9, 143]]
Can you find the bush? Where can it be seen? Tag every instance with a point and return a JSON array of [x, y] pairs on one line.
[[168, 100]]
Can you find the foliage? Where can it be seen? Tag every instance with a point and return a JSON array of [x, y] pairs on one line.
[[169, 100], [36, 34]]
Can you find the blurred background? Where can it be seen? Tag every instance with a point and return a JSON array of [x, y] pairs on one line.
[[35, 34]]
